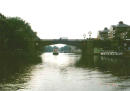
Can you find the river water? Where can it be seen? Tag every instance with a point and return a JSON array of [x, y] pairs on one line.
[[68, 72]]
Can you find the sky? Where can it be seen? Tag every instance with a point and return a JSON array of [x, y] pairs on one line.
[[52, 19]]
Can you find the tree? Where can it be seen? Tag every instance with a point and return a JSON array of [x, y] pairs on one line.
[[15, 34]]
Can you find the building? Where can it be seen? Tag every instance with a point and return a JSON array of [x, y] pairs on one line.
[[103, 34], [111, 33], [119, 31]]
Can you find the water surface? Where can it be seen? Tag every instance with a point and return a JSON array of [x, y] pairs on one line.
[[71, 72]]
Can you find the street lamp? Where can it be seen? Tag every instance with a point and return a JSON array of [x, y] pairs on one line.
[[84, 35], [89, 34]]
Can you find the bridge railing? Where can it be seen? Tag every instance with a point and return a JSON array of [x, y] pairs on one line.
[[62, 39]]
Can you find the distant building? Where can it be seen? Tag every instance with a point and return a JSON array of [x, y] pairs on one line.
[[63, 38], [103, 34], [119, 31]]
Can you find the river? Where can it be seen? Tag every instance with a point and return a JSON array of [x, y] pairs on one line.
[[68, 72]]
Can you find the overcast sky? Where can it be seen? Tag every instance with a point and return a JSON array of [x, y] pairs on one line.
[[68, 18]]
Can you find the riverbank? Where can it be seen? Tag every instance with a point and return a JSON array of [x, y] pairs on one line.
[[111, 53], [19, 57], [126, 54]]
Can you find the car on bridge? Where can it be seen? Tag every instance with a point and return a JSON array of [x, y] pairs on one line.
[[63, 38]]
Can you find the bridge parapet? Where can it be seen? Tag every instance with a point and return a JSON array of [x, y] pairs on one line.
[[88, 45]]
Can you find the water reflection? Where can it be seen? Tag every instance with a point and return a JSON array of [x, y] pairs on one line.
[[15, 71], [66, 72], [60, 60], [117, 67]]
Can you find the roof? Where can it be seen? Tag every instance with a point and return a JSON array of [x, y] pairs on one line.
[[121, 24], [105, 29]]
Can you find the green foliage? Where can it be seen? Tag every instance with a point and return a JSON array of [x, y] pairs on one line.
[[128, 35], [16, 34], [48, 49], [65, 49]]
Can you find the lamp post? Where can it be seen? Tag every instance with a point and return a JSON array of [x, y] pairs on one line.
[[89, 34], [84, 35]]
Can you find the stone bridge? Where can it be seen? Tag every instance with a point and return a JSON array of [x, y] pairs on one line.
[[74, 42], [87, 45]]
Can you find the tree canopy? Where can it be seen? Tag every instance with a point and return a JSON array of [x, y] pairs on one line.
[[15, 34]]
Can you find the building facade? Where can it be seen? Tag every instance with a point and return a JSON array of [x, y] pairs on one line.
[[119, 31], [103, 34]]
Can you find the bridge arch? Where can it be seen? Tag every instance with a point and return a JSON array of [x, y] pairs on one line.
[[64, 48], [72, 42], [85, 45]]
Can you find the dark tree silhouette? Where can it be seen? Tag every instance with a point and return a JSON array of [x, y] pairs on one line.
[[16, 34]]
